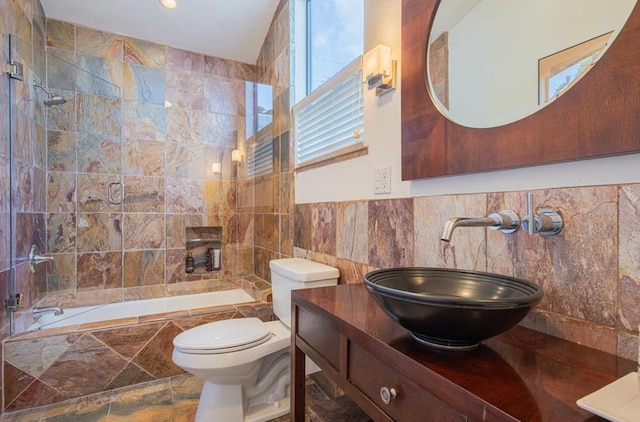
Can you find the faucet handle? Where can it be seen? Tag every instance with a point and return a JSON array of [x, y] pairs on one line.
[[547, 222], [509, 221]]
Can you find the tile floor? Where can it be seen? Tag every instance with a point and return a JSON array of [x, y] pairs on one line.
[[172, 400]]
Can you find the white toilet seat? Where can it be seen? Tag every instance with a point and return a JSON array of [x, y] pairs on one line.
[[225, 336]]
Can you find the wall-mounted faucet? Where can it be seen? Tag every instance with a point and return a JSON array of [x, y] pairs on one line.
[[546, 222], [37, 311], [507, 221], [35, 258]]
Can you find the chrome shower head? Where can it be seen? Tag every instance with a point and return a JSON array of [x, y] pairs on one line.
[[52, 100]]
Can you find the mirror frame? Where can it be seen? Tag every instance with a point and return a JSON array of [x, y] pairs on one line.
[[599, 116]]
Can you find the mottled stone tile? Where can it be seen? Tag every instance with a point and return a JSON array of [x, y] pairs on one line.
[[63, 117], [155, 357], [93, 193], [220, 129], [185, 160], [60, 34], [186, 394], [286, 194], [144, 53], [98, 43], [23, 198], [143, 268], [266, 231], [175, 266], [37, 394], [302, 226], [99, 232], [150, 403], [102, 270], [99, 76], [143, 84], [61, 274], [390, 233], [61, 69], [220, 95], [36, 356], [99, 154], [184, 60], [61, 192], [575, 268], [84, 368], [130, 375], [143, 158], [266, 195], [184, 196], [285, 227], [184, 125], [219, 197], [219, 66], [39, 190], [629, 256], [128, 341], [467, 248], [94, 412], [185, 89], [143, 121], [61, 151], [99, 115], [176, 225], [15, 382], [61, 232], [351, 231], [628, 346], [262, 257], [144, 194], [144, 231]]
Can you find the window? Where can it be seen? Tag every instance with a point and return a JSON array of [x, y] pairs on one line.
[[561, 70], [335, 36], [259, 100], [328, 118]]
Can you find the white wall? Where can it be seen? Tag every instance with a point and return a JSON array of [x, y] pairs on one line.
[[353, 179]]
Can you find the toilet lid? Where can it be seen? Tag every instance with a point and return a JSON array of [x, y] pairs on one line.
[[224, 336]]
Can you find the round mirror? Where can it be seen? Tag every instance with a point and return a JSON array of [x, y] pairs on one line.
[[493, 62]]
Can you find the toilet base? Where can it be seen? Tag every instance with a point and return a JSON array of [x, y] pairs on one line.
[[223, 403]]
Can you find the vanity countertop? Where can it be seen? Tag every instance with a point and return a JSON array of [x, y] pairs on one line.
[[521, 375]]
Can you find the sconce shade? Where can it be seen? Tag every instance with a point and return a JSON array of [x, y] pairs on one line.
[[379, 69]]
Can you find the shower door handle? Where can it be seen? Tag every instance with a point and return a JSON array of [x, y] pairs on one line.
[[117, 199]]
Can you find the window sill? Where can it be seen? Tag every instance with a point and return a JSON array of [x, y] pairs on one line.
[[336, 157]]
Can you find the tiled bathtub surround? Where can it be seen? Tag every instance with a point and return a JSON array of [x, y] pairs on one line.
[[118, 128], [58, 364], [590, 271]]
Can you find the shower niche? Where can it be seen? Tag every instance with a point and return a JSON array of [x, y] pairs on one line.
[[203, 249]]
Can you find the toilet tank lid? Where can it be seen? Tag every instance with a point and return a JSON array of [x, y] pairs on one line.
[[303, 270]]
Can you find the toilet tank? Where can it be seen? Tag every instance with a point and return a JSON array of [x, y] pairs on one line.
[[296, 273]]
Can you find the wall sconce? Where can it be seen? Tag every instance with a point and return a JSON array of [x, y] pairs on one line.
[[236, 156], [379, 69], [216, 168]]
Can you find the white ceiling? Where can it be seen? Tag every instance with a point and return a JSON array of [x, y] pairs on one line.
[[233, 29]]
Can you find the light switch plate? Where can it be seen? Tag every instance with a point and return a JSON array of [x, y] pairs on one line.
[[382, 180]]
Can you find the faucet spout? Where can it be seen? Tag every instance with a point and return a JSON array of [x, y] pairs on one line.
[[38, 311], [507, 221]]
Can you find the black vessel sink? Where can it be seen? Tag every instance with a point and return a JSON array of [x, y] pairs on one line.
[[452, 309]]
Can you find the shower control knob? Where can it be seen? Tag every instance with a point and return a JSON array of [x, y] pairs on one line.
[[387, 394]]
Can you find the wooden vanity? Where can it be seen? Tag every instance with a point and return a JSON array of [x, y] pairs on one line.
[[522, 375]]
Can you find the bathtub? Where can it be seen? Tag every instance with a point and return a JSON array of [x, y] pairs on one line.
[[138, 308]]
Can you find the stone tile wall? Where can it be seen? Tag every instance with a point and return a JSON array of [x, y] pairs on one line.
[[117, 128], [590, 271], [273, 196]]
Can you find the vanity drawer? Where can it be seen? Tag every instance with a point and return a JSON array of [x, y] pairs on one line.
[[320, 335], [411, 402]]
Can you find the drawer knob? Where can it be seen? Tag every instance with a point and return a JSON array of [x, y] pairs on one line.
[[387, 394]]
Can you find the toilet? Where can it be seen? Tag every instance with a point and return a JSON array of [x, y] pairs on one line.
[[245, 362]]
